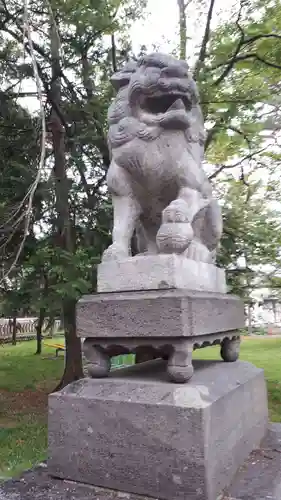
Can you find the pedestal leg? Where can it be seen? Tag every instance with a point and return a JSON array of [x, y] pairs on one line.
[[179, 366], [230, 349], [99, 361]]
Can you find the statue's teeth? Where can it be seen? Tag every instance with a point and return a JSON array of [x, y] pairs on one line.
[[178, 104]]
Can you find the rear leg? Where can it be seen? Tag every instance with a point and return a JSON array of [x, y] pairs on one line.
[[208, 228], [149, 234]]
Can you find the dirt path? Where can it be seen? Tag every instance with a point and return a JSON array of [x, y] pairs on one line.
[[15, 405]]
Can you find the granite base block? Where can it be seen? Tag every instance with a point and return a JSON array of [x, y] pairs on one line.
[[152, 272], [258, 479], [136, 432]]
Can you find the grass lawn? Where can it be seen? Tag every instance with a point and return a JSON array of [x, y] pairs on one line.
[[26, 379], [264, 353]]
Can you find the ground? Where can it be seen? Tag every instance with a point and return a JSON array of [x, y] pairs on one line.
[[26, 379]]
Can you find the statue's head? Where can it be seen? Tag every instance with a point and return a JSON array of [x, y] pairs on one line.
[[156, 91]]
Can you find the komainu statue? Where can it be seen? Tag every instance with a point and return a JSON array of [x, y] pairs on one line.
[[156, 179]]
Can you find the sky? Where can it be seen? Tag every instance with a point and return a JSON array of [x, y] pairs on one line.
[[160, 26]]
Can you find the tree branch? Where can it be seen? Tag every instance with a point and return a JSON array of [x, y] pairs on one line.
[[237, 164], [113, 53], [206, 36], [237, 58], [244, 41], [238, 131], [29, 197], [231, 63], [246, 183], [101, 142], [215, 129], [262, 35]]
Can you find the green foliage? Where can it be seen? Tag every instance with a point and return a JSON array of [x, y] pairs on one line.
[[239, 82], [252, 234], [18, 162], [47, 274], [238, 73]]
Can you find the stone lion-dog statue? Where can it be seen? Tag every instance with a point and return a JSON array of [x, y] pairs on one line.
[[156, 142]]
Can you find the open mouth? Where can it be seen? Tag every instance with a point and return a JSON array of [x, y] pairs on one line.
[[163, 103]]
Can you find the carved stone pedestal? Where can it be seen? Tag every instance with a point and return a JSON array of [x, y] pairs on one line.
[[168, 324]]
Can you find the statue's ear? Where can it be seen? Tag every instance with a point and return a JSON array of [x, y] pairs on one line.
[[122, 77]]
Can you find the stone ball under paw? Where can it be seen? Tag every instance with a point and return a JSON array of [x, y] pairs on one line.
[[174, 237]]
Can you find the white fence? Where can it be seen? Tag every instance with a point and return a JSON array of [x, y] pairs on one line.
[[26, 328]]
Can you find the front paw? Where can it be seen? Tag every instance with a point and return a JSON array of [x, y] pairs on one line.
[[115, 252], [177, 211], [198, 252]]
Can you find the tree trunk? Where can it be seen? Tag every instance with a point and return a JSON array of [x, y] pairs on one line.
[[50, 329], [274, 312], [73, 359], [182, 25], [14, 328], [250, 326], [39, 327]]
